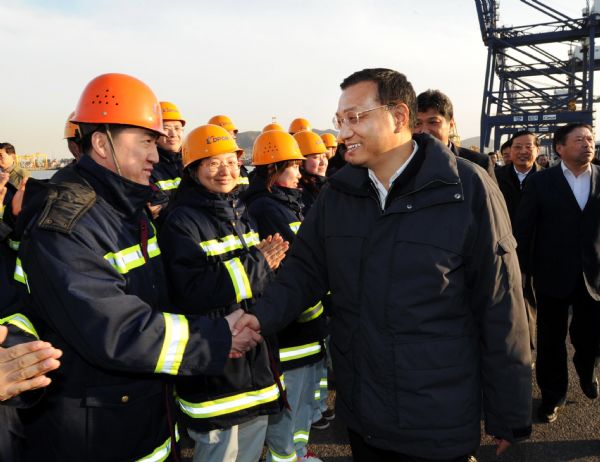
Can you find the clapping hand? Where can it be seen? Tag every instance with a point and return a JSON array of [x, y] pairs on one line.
[[273, 249], [22, 367]]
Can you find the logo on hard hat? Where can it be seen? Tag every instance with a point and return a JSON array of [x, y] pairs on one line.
[[216, 139]]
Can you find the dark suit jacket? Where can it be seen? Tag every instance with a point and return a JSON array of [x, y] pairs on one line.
[[476, 157], [557, 241], [508, 182]]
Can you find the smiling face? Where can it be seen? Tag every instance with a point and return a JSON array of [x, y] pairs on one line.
[[434, 123], [174, 136], [316, 164], [369, 140], [219, 174], [523, 152]]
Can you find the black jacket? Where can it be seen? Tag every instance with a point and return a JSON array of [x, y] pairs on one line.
[[213, 266], [476, 157], [311, 186], [96, 278], [280, 211], [428, 322], [558, 242], [511, 188]]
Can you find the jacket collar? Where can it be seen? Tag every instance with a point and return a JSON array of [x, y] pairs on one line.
[[226, 207], [438, 168], [124, 195], [169, 157], [291, 197]]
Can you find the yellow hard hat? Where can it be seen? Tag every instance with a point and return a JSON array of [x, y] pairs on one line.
[[71, 129], [329, 140], [223, 121], [273, 126], [310, 143], [207, 141], [275, 146], [171, 112], [299, 125]]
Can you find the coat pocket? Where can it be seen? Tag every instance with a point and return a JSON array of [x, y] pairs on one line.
[[437, 383]]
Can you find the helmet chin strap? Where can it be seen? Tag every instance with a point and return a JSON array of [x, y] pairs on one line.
[[112, 148]]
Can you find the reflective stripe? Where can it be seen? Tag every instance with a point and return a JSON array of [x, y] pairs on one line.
[[297, 352], [283, 458], [161, 453], [167, 185], [14, 245], [229, 243], [318, 394], [22, 322], [243, 180], [301, 437], [177, 333], [238, 276], [323, 382], [230, 404], [295, 226], [20, 274], [312, 313], [132, 257]]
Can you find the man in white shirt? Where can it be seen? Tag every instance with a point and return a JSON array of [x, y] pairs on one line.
[[557, 227]]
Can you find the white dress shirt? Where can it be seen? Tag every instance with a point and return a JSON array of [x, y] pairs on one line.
[[580, 185], [521, 176], [381, 191]]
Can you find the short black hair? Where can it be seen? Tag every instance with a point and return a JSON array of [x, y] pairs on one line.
[[435, 99], [506, 144], [561, 133], [523, 133], [9, 148], [392, 87], [87, 130]]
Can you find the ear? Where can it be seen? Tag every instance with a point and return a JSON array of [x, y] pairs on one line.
[[100, 145], [401, 115]]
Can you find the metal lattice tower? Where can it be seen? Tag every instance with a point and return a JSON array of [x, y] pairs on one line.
[[529, 84]]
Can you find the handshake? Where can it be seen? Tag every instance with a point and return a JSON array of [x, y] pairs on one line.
[[245, 332]]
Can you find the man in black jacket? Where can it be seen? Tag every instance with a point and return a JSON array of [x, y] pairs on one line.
[[436, 116], [428, 324], [524, 148], [557, 228]]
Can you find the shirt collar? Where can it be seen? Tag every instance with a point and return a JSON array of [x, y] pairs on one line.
[[565, 169]]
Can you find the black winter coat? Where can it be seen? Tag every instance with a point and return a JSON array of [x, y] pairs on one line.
[[280, 211], [428, 324], [96, 278], [213, 267]]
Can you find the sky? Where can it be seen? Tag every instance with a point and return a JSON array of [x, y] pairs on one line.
[[250, 60]]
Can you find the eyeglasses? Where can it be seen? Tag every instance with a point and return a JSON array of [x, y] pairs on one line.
[[215, 165], [353, 117], [528, 147]]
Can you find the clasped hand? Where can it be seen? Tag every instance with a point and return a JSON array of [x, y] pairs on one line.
[[245, 335]]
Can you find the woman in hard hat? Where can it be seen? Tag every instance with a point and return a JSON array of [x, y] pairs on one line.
[[313, 169], [331, 144], [275, 201], [215, 264]]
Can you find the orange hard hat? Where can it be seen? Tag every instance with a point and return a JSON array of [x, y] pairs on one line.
[[273, 126], [310, 143], [330, 140], [207, 141], [223, 121], [71, 130], [171, 112], [299, 125], [119, 99], [275, 146]]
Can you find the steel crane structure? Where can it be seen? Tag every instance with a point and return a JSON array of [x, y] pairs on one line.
[[528, 84]]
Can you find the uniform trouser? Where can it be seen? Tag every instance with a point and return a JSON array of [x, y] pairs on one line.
[[363, 452], [288, 431], [240, 443], [321, 392], [552, 324]]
